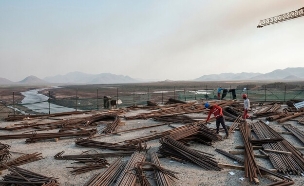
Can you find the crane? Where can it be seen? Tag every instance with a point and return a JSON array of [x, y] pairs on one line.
[[282, 17]]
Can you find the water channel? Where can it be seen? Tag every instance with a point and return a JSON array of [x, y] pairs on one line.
[[39, 103]]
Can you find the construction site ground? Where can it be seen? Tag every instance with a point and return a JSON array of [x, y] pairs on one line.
[[188, 173]]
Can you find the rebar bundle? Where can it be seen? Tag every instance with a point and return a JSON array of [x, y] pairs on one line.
[[108, 176], [235, 124], [175, 119], [251, 167], [172, 148], [295, 131], [162, 179], [84, 157], [286, 180], [127, 177], [4, 152], [24, 159], [112, 127], [268, 110], [111, 146], [23, 177], [284, 156]]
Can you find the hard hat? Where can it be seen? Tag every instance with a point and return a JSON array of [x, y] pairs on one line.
[[244, 95], [207, 105]]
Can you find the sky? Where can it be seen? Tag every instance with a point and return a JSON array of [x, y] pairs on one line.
[[157, 39]]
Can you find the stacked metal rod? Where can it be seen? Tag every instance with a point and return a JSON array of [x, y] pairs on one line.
[[127, 177], [24, 159], [268, 110], [112, 127], [4, 152], [161, 178], [262, 169], [172, 148], [251, 167], [108, 176], [23, 177], [111, 146], [235, 124], [295, 131], [83, 157], [44, 136], [84, 122], [284, 156]]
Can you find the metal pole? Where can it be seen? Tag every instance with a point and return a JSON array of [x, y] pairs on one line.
[[206, 93], [117, 98], [185, 94], [285, 94], [49, 100], [14, 103], [148, 94], [162, 97], [97, 106], [174, 92], [76, 99], [265, 93], [194, 93], [230, 92]]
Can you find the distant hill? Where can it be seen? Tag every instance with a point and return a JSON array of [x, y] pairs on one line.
[[32, 80], [79, 77], [227, 76], [285, 74], [4, 81]]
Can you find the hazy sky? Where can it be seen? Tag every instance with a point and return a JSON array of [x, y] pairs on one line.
[[156, 39]]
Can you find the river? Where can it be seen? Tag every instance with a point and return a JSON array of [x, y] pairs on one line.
[[39, 103]]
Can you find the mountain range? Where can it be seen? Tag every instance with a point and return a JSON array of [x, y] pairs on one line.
[[288, 74], [296, 73]]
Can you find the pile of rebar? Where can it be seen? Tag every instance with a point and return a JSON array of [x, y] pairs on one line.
[[111, 146], [44, 136], [268, 110], [251, 167], [108, 176], [175, 119], [4, 152], [283, 156], [172, 148], [284, 178], [162, 179], [24, 159], [86, 156], [235, 124], [127, 177], [23, 177], [112, 127], [295, 131]]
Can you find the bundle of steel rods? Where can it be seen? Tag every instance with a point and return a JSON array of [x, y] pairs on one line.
[[108, 176], [90, 165], [268, 110], [175, 119], [295, 131], [262, 169], [80, 157], [235, 124], [127, 177], [112, 127], [23, 177], [4, 152], [27, 158], [284, 156], [162, 179], [111, 146], [251, 167], [172, 148]]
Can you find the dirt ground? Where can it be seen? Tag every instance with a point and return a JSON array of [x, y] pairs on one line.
[[188, 174]]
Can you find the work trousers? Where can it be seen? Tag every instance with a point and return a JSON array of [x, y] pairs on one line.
[[221, 120], [245, 114], [218, 96]]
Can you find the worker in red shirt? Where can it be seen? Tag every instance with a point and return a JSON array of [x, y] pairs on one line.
[[218, 114]]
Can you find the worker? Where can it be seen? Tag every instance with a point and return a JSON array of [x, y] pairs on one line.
[[219, 93], [217, 111], [246, 106]]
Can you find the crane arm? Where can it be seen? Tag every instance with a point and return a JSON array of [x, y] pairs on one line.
[[282, 17]]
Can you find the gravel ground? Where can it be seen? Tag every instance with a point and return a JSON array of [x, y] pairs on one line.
[[188, 174]]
